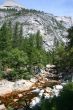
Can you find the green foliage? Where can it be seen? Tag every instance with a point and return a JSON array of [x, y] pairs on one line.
[[18, 60], [39, 41], [5, 37], [10, 108], [63, 55], [3, 59], [70, 37], [16, 35], [45, 104], [19, 52], [60, 56], [65, 100], [1, 74], [33, 46], [17, 57]]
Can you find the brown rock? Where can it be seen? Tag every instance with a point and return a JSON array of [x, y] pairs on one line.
[[48, 90], [15, 100], [20, 95]]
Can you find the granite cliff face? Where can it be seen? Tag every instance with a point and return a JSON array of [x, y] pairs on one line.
[[65, 21], [51, 27]]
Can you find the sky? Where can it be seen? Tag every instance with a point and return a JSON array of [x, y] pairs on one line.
[[56, 7]]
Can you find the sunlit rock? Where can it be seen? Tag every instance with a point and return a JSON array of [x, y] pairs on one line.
[[33, 80], [15, 100], [22, 85], [37, 90], [20, 95], [35, 101], [41, 93], [50, 66], [58, 87], [2, 107], [48, 90], [6, 87], [46, 96]]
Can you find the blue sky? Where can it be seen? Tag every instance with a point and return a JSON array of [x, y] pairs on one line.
[[56, 7]]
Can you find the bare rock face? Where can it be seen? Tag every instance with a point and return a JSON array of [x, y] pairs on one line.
[[52, 28], [66, 21]]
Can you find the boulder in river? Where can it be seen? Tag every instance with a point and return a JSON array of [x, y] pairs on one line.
[[2, 107]]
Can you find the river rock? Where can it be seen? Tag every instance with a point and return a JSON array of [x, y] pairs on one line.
[[6, 87], [41, 93], [2, 107], [48, 89], [36, 90], [20, 95], [58, 87], [22, 85], [35, 100], [46, 96], [33, 80]]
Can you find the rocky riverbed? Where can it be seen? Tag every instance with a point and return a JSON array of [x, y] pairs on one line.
[[28, 92]]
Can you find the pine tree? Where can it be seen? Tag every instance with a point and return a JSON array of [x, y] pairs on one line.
[[70, 37], [39, 41], [16, 35], [5, 37], [5, 43], [9, 34], [20, 38]]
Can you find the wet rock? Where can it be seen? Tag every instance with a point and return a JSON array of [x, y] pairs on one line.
[[57, 89], [37, 90], [35, 101], [46, 96], [41, 93]]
